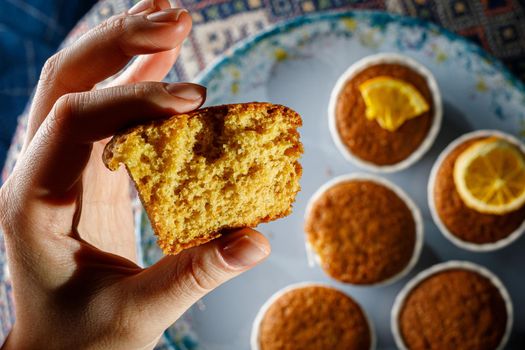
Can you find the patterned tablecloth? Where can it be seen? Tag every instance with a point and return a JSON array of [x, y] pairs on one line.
[[497, 25]]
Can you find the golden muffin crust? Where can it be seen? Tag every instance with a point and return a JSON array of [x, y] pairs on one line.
[[362, 231], [313, 318], [213, 169], [463, 222], [365, 138], [454, 309]]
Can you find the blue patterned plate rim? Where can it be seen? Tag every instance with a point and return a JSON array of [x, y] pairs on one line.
[[377, 17]]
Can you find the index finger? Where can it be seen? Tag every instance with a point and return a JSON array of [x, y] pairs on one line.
[[102, 52]]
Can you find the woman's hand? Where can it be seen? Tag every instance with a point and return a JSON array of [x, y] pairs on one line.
[[67, 220]]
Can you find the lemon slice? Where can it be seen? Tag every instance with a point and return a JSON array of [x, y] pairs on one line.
[[490, 176], [391, 101]]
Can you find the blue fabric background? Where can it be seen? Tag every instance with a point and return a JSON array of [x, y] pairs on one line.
[[30, 31]]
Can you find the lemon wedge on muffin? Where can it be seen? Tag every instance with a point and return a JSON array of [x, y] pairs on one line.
[[392, 101], [490, 176]]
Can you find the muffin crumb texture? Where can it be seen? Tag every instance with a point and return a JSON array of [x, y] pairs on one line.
[[362, 231], [453, 309], [313, 318], [213, 169], [463, 222]]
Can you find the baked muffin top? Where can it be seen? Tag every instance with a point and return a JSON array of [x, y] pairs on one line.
[[314, 317], [453, 309], [365, 138], [362, 231], [463, 222]]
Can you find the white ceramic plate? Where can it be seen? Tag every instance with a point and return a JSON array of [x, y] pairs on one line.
[[297, 64]]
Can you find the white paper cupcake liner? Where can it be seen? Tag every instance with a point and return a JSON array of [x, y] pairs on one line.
[[400, 298], [314, 258], [475, 247], [359, 66], [254, 338]]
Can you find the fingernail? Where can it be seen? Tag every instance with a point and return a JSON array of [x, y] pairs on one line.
[[168, 15], [140, 6], [244, 251], [187, 91]]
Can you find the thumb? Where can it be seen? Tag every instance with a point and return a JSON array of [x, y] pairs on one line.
[[167, 289]]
